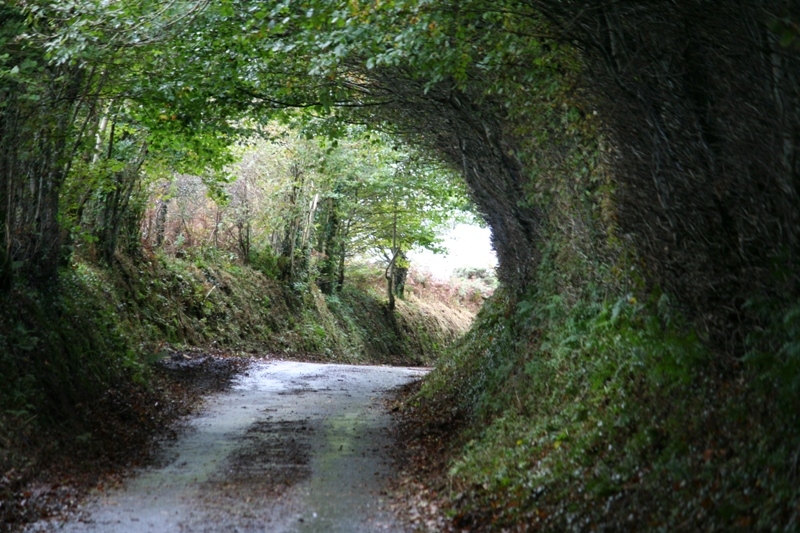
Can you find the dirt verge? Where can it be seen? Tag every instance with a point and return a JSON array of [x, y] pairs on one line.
[[109, 438], [425, 434]]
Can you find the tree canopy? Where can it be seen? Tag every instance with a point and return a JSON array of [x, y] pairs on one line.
[[538, 105], [125, 93]]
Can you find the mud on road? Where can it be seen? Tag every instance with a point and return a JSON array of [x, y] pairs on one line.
[[291, 447]]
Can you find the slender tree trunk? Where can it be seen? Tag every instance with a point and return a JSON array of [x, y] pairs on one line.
[[243, 228], [390, 270], [400, 274], [115, 205], [215, 231], [330, 247], [390, 288], [161, 221]]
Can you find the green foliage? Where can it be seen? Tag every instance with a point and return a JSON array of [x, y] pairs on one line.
[[265, 261], [303, 207], [585, 408], [787, 30], [774, 352], [63, 350]]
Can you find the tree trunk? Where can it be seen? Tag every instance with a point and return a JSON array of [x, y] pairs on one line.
[[331, 248], [400, 274], [161, 221], [292, 228], [390, 288], [390, 273]]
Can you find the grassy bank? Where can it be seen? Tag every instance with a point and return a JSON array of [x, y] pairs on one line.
[[593, 411]]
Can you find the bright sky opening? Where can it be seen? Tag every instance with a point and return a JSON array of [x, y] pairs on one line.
[[467, 246]]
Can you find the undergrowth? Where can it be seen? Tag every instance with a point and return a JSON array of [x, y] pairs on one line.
[[600, 413]]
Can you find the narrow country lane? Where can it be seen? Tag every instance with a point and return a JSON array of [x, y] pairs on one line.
[[293, 447]]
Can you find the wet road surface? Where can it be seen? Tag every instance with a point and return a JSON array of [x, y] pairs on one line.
[[293, 447]]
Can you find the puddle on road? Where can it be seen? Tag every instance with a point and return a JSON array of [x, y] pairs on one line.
[[294, 447]]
